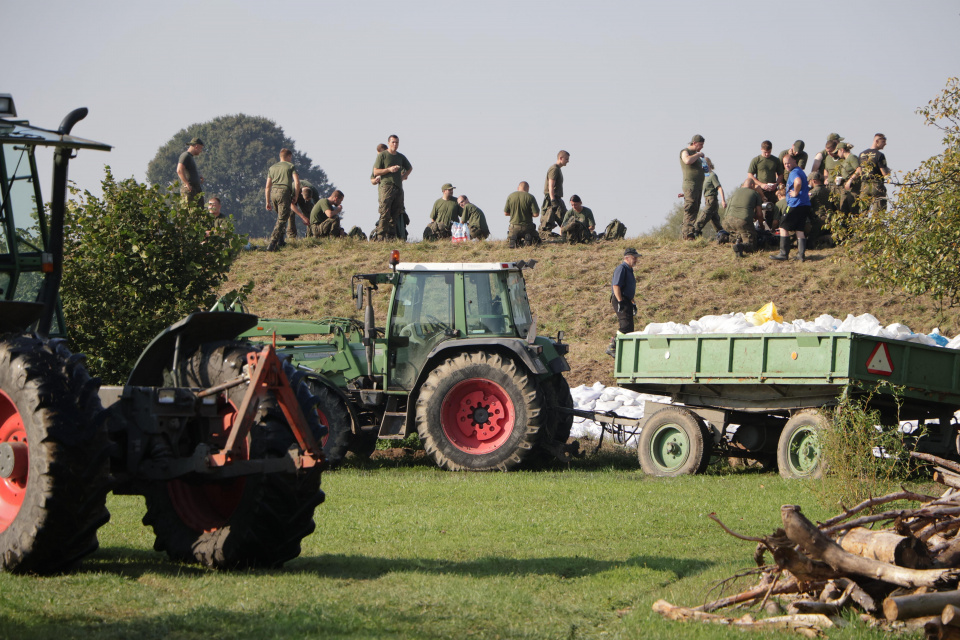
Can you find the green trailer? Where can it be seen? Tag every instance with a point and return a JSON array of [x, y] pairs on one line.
[[761, 396]]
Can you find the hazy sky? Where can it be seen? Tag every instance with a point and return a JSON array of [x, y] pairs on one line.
[[484, 95]]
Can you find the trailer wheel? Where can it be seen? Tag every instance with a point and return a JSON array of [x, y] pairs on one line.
[[332, 414], [674, 442], [799, 452], [251, 521], [479, 412], [54, 457]]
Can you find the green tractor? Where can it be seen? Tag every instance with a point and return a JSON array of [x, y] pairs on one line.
[[220, 438], [458, 362]]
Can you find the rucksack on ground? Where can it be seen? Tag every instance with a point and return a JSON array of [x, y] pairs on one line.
[[615, 230]]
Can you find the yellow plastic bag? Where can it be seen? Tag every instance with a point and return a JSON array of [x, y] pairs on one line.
[[766, 313]]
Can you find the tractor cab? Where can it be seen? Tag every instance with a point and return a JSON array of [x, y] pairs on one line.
[[31, 244]]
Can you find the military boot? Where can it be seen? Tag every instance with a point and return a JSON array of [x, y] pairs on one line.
[[738, 249], [784, 249], [801, 250]]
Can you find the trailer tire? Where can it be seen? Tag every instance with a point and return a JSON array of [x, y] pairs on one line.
[[799, 451], [332, 413], [479, 412], [251, 521], [674, 442], [55, 457]]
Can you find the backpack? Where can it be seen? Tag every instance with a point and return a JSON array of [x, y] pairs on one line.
[[615, 230]]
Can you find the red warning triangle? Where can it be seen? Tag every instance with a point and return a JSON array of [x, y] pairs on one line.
[[879, 361]]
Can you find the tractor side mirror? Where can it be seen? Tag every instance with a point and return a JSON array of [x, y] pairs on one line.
[[359, 296]]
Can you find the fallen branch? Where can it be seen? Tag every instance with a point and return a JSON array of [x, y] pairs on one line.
[[818, 546], [873, 502], [929, 457], [809, 625], [918, 606]]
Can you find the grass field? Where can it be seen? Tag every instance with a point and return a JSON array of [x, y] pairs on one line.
[[404, 550]]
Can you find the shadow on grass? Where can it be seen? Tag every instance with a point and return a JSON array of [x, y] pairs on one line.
[[134, 563], [368, 568]]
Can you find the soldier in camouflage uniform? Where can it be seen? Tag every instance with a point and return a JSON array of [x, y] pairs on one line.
[[694, 172], [392, 168], [579, 225], [872, 171], [189, 175], [445, 212], [822, 209], [796, 150], [325, 216], [283, 183], [711, 209], [522, 208], [553, 208], [743, 211], [766, 172], [474, 218]]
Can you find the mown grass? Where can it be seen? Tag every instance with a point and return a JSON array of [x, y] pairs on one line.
[[404, 550]]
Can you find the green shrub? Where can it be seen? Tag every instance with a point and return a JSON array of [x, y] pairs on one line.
[[135, 262]]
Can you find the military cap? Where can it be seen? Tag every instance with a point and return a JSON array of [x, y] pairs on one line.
[[447, 186], [196, 141], [816, 175], [834, 136], [798, 146]]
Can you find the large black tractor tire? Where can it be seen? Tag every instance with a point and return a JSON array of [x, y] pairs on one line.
[[674, 442], [252, 521], [479, 412], [333, 414], [799, 450], [54, 457], [557, 424]]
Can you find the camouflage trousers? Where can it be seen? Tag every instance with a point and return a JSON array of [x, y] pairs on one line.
[[329, 228], [691, 207], [741, 231], [280, 199], [435, 231], [190, 194], [551, 215], [522, 234], [576, 232], [477, 234], [391, 211], [710, 213]]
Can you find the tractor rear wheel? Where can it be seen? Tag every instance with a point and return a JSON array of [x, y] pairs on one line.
[[54, 457], [557, 424], [674, 442], [479, 412], [251, 521], [332, 413]]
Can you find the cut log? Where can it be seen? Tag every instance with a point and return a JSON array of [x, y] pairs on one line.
[[947, 478], [918, 606], [817, 546], [951, 615], [885, 546]]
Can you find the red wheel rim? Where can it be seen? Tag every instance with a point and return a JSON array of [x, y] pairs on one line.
[[322, 417], [207, 505], [477, 416], [13, 488]]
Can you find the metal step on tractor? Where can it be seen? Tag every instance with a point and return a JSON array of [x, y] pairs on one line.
[[458, 361], [220, 437]]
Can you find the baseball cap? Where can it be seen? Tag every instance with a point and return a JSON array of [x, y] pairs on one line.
[[446, 186], [631, 252], [815, 175], [798, 146], [834, 136], [196, 141], [697, 138]]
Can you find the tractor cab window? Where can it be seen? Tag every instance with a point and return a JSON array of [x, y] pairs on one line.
[[424, 314], [486, 306], [519, 304], [20, 198]]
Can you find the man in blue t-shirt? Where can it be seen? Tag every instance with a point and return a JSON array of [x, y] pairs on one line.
[[798, 201], [623, 289]]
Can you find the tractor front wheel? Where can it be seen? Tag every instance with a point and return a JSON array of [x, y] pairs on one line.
[[479, 412], [249, 521]]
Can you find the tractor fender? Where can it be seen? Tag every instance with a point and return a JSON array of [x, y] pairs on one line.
[[319, 378], [514, 346], [193, 331]]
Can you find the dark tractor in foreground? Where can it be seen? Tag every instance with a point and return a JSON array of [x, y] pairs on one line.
[[220, 437]]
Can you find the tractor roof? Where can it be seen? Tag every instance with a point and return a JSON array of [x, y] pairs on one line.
[[460, 266], [20, 132]]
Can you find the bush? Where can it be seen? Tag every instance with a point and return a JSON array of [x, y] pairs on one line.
[[134, 263], [851, 445]]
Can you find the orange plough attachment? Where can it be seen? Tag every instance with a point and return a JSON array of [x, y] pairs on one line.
[[265, 371]]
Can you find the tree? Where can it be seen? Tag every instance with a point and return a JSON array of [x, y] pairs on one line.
[[135, 262], [238, 150], [915, 244]]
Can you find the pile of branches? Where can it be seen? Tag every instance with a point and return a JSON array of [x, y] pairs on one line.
[[898, 568]]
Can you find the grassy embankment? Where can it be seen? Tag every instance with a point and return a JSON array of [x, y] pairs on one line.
[[404, 550], [569, 288]]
